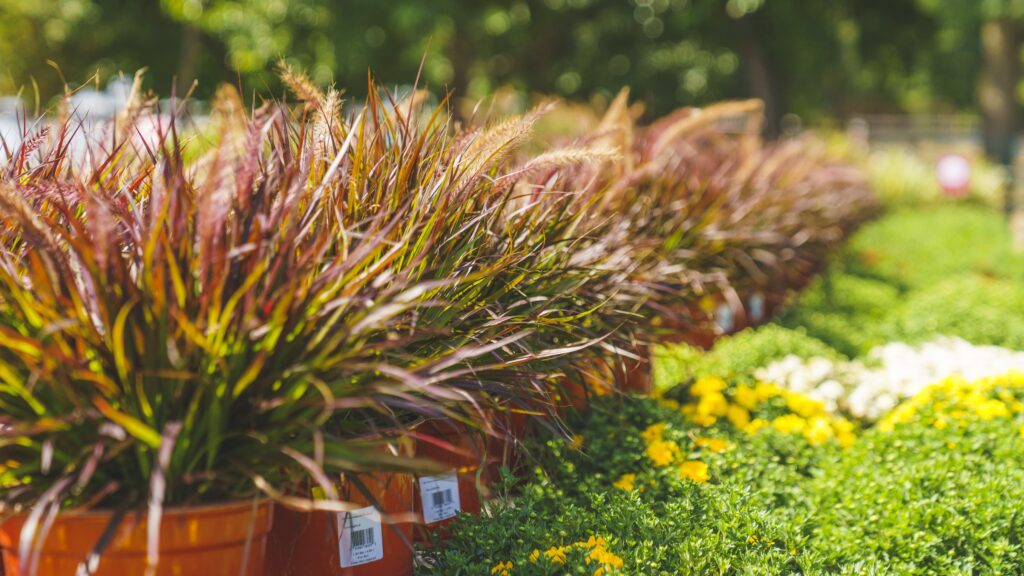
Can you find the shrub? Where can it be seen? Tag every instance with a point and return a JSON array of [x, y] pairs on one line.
[[977, 309], [927, 492], [736, 356], [921, 247]]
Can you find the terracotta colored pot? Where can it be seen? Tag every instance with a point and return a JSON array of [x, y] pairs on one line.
[[634, 375], [213, 540], [439, 498], [311, 543], [512, 425]]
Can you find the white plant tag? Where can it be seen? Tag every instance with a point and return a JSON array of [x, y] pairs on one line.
[[725, 318], [360, 538], [756, 305], [440, 497]]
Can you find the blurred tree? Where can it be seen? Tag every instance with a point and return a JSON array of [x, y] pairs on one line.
[[816, 59]]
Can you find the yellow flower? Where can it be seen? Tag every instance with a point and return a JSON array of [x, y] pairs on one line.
[[746, 397], [535, 555], [694, 470], [1022, 431], [556, 554], [755, 426], [715, 445], [818, 431], [653, 432], [576, 442], [940, 423], [764, 391], [752, 539], [703, 420], [502, 568], [846, 439], [594, 541], [626, 482], [662, 452], [707, 385], [843, 426], [713, 404], [789, 423], [804, 406], [738, 416], [990, 409], [604, 557]]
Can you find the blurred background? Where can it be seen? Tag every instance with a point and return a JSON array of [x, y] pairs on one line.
[[909, 68]]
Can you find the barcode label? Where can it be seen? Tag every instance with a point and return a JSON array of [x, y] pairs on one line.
[[756, 306], [362, 538], [725, 318], [440, 497], [359, 537]]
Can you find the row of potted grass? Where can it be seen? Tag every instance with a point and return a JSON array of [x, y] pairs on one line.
[[305, 306]]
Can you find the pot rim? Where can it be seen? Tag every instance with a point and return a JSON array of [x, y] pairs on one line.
[[200, 509]]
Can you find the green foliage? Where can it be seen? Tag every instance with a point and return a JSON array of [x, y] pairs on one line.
[[843, 311], [667, 523], [977, 309], [945, 269], [923, 501], [917, 500], [909, 55], [736, 356], [921, 247]]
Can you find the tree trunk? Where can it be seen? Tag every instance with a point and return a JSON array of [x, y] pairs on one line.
[[762, 77], [997, 88], [188, 64]]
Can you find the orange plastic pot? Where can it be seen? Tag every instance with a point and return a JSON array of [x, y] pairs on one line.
[[310, 543], [634, 375], [512, 425], [195, 541], [465, 451]]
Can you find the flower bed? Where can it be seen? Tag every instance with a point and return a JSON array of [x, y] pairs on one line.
[[775, 452]]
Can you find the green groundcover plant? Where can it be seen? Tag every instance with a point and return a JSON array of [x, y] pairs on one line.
[[735, 356], [925, 492]]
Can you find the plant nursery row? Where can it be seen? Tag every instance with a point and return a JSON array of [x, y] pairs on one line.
[[317, 337], [876, 427]]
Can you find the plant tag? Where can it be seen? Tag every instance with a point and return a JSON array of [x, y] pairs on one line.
[[725, 317], [440, 497], [756, 306], [360, 538]]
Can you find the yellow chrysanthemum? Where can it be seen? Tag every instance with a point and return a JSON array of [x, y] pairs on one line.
[[764, 391], [662, 452], [707, 385], [694, 470], [755, 426], [803, 405], [789, 424], [502, 568], [653, 433], [715, 445], [989, 409], [713, 404], [626, 482], [556, 554], [576, 442], [746, 397], [738, 416], [818, 431]]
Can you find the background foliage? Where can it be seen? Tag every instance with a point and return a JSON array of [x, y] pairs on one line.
[[834, 57]]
